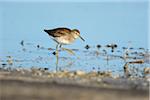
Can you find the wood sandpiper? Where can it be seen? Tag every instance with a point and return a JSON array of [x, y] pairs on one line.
[[63, 36]]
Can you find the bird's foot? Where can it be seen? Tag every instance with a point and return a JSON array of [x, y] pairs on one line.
[[69, 51]]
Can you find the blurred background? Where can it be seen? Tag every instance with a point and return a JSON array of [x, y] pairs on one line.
[[99, 22]]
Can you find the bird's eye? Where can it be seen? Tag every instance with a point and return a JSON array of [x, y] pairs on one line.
[[77, 33]]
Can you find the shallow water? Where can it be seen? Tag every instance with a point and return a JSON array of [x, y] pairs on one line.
[[123, 23], [101, 59]]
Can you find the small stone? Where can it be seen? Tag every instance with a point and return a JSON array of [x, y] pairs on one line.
[[54, 53], [50, 49], [22, 42], [71, 74], [147, 70], [105, 73], [45, 68], [112, 50], [108, 45], [79, 72], [99, 80], [10, 60], [87, 47], [115, 45], [115, 76], [36, 72], [99, 46], [38, 46], [4, 65]]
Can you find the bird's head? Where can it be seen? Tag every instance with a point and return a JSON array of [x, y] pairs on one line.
[[76, 34]]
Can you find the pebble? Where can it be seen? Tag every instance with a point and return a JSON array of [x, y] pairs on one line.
[[99, 46], [54, 53], [87, 47], [22, 42], [79, 72], [38, 46], [147, 70], [4, 65], [36, 71]]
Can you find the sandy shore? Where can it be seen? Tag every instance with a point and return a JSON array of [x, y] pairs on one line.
[[28, 86]]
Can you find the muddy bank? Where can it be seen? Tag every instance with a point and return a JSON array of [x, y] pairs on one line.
[[50, 86]]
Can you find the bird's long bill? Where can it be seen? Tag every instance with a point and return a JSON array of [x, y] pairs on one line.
[[81, 38]]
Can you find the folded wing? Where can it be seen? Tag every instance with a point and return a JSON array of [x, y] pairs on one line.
[[58, 32]]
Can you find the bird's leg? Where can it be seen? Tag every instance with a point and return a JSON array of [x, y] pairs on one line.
[[57, 49], [57, 57], [60, 46], [68, 50]]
